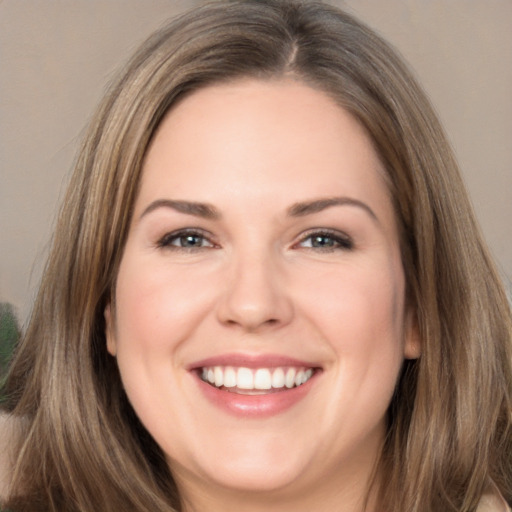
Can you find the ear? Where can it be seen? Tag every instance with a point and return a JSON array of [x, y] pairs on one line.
[[412, 345], [110, 331]]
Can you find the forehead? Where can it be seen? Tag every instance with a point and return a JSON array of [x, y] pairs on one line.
[[261, 139]]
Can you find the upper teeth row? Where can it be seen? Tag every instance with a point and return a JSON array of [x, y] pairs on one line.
[[260, 378]]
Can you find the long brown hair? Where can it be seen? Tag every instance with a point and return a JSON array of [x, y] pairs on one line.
[[81, 446]]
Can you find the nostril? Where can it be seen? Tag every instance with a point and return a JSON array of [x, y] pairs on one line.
[[254, 325]]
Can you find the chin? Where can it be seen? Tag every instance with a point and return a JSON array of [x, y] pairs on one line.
[[268, 480], [258, 470]]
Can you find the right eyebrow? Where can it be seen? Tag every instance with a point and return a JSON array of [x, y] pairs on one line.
[[317, 205], [204, 210]]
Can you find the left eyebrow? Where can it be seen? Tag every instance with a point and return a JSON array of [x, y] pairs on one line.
[[318, 205], [203, 210]]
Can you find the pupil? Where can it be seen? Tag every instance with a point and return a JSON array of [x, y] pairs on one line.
[[191, 240], [322, 241]]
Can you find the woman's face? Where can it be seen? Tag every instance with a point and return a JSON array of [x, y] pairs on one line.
[[259, 322]]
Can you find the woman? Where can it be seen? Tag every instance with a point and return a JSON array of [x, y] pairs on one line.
[[266, 290]]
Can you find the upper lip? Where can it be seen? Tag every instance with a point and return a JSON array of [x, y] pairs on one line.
[[252, 361]]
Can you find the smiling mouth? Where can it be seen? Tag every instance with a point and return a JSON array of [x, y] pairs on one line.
[[257, 381]]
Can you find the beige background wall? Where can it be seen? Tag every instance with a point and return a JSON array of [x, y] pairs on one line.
[[57, 55]]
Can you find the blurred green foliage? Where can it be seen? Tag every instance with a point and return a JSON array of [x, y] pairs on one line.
[[9, 334]]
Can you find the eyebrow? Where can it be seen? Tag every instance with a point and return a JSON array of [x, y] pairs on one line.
[[318, 205], [301, 209], [203, 210]]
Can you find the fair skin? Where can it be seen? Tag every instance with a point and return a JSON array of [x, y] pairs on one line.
[[263, 238]]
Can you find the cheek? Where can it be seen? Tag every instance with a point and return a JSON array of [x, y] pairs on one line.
[[142, 309], [155, 312], [360, 313], [360, 309], [158, 306]]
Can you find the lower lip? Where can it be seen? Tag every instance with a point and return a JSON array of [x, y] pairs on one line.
[[256, 406]]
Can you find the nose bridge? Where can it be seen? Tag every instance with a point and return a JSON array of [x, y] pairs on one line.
[[255, 295]]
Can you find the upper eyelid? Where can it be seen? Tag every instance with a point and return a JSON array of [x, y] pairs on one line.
[[304, 235], [171, 235], [324, 231], [334, 233]]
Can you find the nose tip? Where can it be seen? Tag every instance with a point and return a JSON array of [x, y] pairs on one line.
[[255, 298]]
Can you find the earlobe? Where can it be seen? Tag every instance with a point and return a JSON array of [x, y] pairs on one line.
[[110, 331], [412, 346]]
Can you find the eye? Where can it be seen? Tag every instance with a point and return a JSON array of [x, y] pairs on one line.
[[185, 239], [326, 241]]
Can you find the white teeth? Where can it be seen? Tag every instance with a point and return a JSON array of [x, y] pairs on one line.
[[245, 378], [290, 378], [256, 379], [278, 378], [219, 376], [229, 377], [262, 379]]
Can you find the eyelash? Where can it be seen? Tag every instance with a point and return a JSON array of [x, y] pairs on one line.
[[338, 241], [166, 242]]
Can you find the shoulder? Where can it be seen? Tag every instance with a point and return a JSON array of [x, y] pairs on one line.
[[492, 501], [7, 436]]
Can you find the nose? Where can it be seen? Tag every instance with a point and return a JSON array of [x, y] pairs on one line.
[[255, 297]]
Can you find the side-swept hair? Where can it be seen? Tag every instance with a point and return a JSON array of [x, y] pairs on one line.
[[82, 448]]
